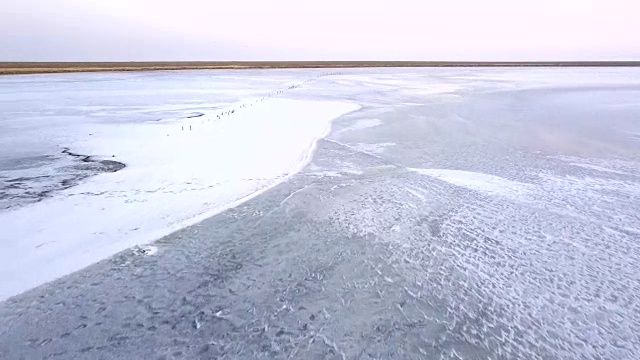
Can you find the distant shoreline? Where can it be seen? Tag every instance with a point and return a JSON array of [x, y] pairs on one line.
[[14, 68]]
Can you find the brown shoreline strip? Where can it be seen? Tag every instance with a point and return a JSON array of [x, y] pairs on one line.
[[63, 67]]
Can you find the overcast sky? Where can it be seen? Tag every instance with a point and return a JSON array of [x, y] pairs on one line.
[[121, 30]]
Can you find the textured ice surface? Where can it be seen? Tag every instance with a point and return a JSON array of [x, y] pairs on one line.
[[503, 224], [377, 148], [363, 124]]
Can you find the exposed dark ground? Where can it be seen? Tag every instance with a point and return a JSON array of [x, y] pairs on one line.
[[489, 223]]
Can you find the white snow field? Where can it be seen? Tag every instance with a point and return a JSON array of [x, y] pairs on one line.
[[178, 171]]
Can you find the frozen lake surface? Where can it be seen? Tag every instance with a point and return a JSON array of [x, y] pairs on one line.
[[185, 159], [449, 214]]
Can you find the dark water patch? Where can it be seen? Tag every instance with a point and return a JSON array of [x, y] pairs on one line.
[[106, 165], [23, 179], [195, 115], [30, 180], [25, 162]]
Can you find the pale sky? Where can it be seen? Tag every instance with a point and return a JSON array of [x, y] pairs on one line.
[[123, 30]]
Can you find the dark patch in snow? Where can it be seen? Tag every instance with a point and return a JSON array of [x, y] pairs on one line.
[[25, 189]]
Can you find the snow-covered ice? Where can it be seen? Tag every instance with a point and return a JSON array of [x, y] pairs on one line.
[[485, 183], [178, 171]]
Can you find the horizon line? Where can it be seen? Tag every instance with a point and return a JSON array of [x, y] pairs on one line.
[[41, 67]]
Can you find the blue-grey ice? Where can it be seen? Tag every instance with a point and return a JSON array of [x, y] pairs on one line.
[[449, 214]]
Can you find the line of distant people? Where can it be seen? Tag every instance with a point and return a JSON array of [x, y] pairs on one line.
[[268, 96]]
